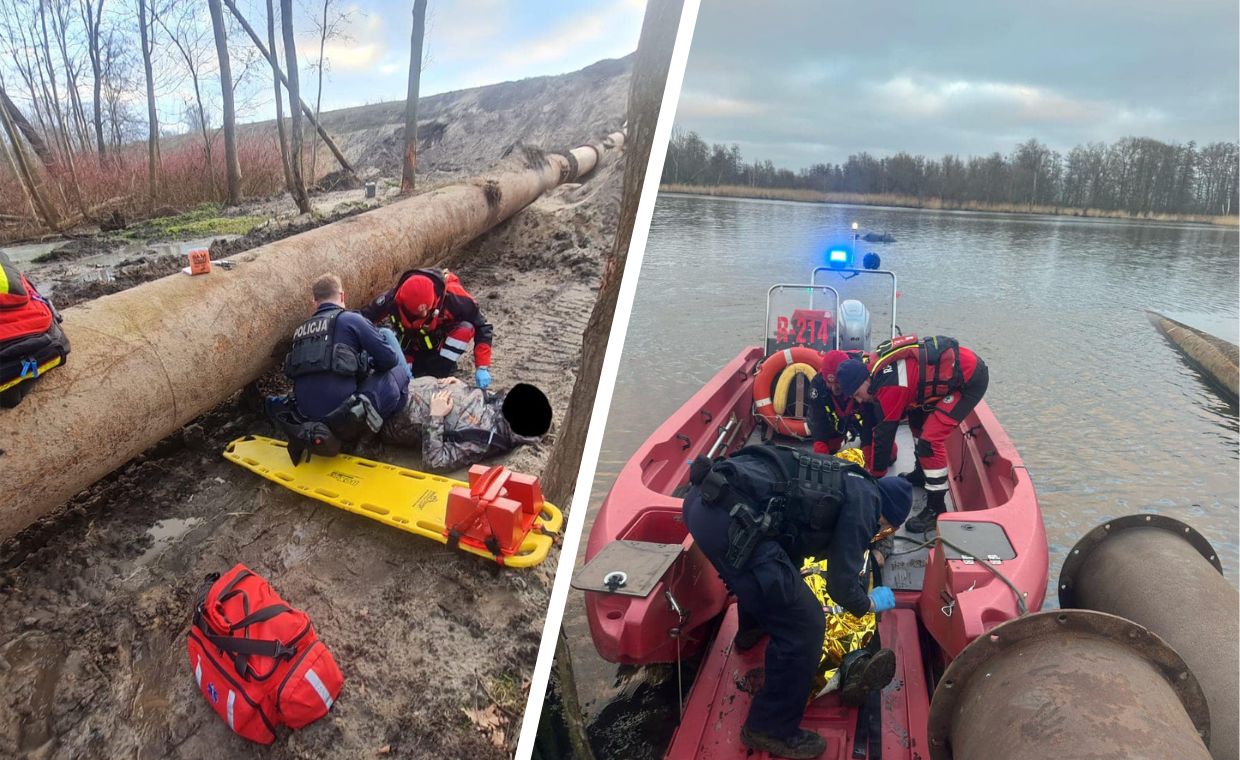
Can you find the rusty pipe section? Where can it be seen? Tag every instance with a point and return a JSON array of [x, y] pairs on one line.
[[1068, 683], [148, 360], [1162, 574]]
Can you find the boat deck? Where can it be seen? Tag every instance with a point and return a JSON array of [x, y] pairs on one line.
[[726, 681]]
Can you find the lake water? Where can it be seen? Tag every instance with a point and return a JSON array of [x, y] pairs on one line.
[[1104, 411]]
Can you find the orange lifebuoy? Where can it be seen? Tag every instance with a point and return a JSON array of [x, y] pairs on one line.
[[764, 383]]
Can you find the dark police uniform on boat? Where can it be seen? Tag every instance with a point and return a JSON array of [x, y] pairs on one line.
[[337, 353], [767, 582]]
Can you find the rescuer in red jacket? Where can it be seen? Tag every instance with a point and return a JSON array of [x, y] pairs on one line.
[[935, 383], [834, 416], [435, 319]]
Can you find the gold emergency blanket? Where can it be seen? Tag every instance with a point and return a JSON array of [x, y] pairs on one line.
[[845, 632]]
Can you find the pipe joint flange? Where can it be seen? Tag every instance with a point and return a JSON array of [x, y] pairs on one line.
[[570, 167], [1080, 553], [952, 691]]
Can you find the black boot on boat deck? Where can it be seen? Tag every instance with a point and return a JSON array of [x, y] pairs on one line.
[[863, 672], [927, 519], [804, 746], [917, 477]]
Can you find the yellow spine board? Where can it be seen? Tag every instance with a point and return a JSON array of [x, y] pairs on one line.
[[415, 502]]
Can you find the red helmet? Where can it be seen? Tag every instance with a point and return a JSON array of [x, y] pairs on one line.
[[831, 362], [414, 300]]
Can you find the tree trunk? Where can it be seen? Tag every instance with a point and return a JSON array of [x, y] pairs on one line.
[[275, 82], [293, 99], [411, 96], [12, 165], [24, 175], [294, 96], [28, 131], [231, 165], [318, 97], [96, 67], [654, 52], [152, 140]]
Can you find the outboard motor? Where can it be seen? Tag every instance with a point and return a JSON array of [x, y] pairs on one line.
[[854, 326]]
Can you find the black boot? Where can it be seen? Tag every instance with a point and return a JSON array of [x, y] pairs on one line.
[[927, 519], [863, 672], [804, 745], [917, 478]]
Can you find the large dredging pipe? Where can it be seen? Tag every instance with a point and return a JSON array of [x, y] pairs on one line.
[[148, 360], [1068, 683], [1217, 359], [1162, 574]]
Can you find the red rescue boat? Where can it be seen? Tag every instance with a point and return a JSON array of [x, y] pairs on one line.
[[652, 597]]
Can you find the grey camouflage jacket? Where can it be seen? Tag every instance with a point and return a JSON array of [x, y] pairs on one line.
[[472, 430]]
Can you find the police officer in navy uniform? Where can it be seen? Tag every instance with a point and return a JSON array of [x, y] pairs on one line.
[[756, 516], [347, 374]]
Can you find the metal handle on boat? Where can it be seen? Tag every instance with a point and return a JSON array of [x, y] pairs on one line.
[[723, 439]]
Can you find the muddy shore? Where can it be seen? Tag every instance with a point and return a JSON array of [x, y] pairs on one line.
[[96, 598]]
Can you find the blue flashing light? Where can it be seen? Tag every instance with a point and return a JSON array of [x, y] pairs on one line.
[[838, 257]]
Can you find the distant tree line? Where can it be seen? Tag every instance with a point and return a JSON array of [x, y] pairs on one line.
[[1137, 175]]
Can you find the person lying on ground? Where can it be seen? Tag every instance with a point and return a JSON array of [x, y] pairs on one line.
[[457, 425], [347, 376], [435, 319]]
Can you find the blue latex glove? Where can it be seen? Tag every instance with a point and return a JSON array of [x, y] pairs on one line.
[[883, 598], [483, 377]]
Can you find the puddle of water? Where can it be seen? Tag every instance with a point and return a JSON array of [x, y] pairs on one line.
[[21, 255], [165, 533], [40, 658]]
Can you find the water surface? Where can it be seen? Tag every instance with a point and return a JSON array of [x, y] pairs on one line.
[[1104, 411]]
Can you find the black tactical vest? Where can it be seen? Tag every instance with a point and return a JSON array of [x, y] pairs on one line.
[[802, 492], [315, 350]]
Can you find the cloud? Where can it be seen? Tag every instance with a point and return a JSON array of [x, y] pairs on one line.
[[970, 77], [588, 29], [362, 42], [701, 105]]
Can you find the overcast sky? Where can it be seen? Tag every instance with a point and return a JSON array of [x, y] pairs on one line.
[[470, 43], [806, 81]]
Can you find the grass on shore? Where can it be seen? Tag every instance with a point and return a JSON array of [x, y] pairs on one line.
[[202, 221], [910, 201]]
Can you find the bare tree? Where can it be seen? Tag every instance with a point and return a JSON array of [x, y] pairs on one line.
[[60, 27], [279, 93], [189, 38], [305, 109], [25, 175], [146, 31], [329, 27], [92, 15], [294, 96], [231, 165], [411, 96]]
